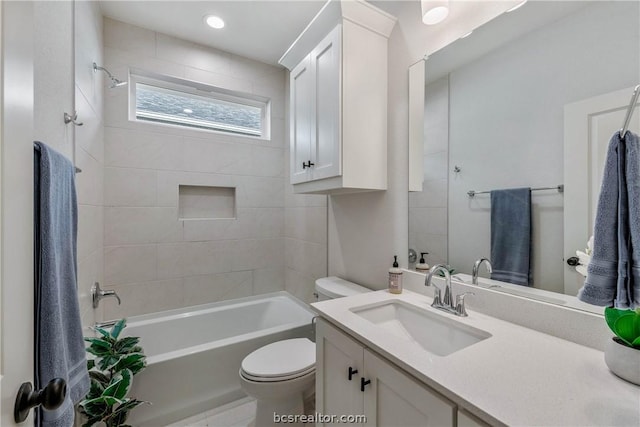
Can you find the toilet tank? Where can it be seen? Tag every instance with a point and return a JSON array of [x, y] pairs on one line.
[[335, 287]]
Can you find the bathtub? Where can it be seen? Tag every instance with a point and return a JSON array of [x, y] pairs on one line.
[[194, 353]]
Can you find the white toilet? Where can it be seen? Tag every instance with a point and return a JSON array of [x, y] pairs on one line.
[[281, 375]]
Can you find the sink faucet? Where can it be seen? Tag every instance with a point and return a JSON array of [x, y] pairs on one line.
[[457, 308], [476, 267]]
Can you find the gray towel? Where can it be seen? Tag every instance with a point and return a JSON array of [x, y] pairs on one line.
[[511, 235], [613, 274], [60, 350]]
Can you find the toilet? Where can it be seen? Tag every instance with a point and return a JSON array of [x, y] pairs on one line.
[[281, 375]]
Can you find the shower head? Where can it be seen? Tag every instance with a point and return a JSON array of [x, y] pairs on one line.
[[114, 81]]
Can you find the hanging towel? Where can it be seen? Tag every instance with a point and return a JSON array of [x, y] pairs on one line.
[[60, 351], [613, 274], [511, 235]]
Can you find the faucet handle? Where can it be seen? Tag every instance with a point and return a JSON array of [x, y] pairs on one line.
[[460, 307], [437, 301]]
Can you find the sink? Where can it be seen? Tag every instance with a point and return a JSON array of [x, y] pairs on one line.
[[433, 332]]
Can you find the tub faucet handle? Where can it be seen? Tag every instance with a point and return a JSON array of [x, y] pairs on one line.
[[97, 294]]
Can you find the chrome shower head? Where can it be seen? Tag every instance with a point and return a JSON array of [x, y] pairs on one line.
[[114, 81]]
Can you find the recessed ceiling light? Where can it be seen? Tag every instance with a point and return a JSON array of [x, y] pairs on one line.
[[187, 110], [434, 11], [516, 7], [214, 21]]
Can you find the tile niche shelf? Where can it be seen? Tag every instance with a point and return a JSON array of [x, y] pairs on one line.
[[205, 202]]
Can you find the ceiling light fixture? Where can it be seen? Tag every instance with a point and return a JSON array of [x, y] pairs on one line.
[[516, 7], [214, 21], [434, 11]]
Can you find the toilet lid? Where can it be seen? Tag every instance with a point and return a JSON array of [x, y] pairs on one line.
[[281, 358]]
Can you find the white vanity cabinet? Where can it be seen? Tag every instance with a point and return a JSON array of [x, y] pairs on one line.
[[338, 100], [354, 380]]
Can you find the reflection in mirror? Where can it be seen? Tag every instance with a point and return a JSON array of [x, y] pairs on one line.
[[530, 99]]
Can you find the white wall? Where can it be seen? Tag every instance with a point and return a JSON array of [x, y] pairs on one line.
[[89, 152], [153, 260], [513, 137], [68, 39]]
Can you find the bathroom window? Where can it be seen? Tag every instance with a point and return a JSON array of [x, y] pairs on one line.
[[177, 102]]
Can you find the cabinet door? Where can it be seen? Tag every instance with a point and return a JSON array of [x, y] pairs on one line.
[[325, 60], [335, 354], [395, 399], [301, 104]]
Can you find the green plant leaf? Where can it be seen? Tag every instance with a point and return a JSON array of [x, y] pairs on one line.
[[107, 336], [96, 389], [91, 363], [636, 343], [126, 344], [100, 377], [104, 400], [94, 407], [134, 362], [120, 385], [118, 327], [611, 315], [626, 327]]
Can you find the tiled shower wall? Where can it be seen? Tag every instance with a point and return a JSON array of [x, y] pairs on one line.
[[156, 261], [428, 208]]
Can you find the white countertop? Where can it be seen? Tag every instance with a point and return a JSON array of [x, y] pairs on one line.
[[518, 376]]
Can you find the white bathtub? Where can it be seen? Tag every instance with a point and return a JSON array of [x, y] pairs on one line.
[[194, 353]]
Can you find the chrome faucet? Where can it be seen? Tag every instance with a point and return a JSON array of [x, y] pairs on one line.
[[457, 308], [97, 294], [476, 267]]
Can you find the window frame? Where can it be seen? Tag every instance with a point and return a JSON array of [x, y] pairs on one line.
[[200, 90]]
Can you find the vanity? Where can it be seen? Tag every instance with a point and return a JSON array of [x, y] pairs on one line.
[[398, 361]]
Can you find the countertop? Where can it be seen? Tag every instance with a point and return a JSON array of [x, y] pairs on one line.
[[518, 376]]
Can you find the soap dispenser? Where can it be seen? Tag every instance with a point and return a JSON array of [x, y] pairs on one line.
[[395, 277], [422, 265]]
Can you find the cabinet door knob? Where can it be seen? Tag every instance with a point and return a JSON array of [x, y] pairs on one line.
[[364, 383], [352, 372]]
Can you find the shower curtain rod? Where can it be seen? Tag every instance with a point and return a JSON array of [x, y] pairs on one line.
[[632, 106], [37, 148]]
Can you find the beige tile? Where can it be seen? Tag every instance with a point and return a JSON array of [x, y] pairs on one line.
[[307, 223], [217, 287], [90, 136], [242, 227], [129, 226], [271, 279], [200, 258], [267, 161], [268, 222], [300, 285], [90, 230], [255, 254], [144, 150], [130, 187], [89, 183], [210, 156], [169, 181], [308, 258], [145, 297], [193, 55], [129, 37], [129, 264], [260, 192], [224, 81]]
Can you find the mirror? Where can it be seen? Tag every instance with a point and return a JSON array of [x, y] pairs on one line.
[[529, 99]]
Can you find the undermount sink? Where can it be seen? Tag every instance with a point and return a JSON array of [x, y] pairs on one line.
[[433, 332]]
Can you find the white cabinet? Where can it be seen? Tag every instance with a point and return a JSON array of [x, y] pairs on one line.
[[338, 100], [353, 380]]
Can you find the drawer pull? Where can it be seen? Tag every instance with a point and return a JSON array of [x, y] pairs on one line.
[[351, 372], [364, 383]]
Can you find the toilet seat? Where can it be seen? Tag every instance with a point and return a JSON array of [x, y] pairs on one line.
[[280, 361]]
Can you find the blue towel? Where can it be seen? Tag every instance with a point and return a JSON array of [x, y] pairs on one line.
[[613, 274], [511, 236], [60, 350]]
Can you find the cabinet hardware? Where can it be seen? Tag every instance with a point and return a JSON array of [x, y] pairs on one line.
[[573, 261], [364, 383], [352, 372], [307, 164]]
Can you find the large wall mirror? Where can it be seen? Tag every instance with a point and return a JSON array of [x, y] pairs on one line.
[[529, 99]]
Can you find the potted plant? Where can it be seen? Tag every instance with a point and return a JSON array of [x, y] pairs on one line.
[[113, 364], [622, 352]]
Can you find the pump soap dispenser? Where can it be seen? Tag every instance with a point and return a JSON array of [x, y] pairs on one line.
[[395, 277], [422, 265]]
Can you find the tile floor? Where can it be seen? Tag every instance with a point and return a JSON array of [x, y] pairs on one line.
[[235, 414]]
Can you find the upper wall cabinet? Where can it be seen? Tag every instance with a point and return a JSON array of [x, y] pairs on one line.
[[338, 100]]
